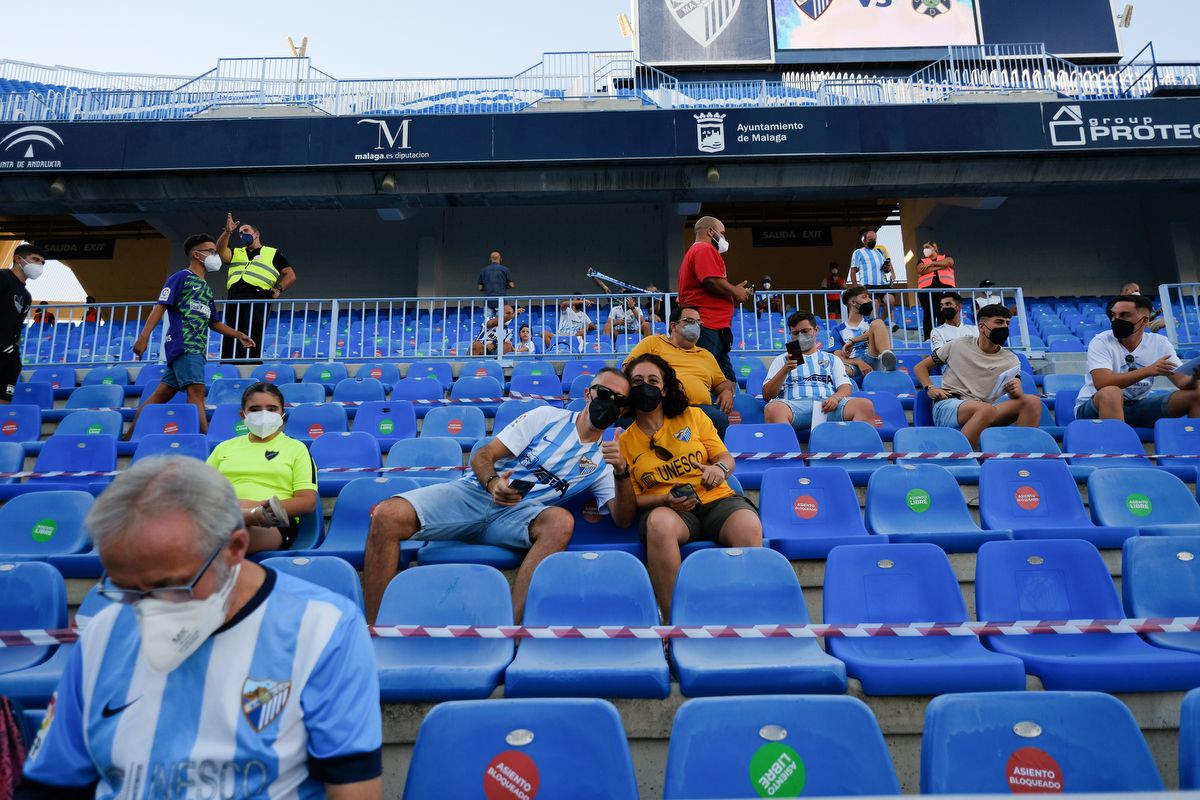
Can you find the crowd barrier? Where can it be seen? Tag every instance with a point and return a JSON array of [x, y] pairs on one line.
[[415, 328], [1181, 312]]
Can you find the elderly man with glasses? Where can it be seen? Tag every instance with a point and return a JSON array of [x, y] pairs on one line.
[[511, 491], [208, 676]]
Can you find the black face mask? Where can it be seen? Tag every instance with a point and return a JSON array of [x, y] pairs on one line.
[[947, 314], [644, 397], [869, 245], [247, 239], [603, 412], [998, 336], [866, 308], [1122, 328]]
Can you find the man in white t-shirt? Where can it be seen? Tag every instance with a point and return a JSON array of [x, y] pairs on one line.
[[626, 317], [952, 327], [794, 386], [1122, 365], [573, 322], [491, 333]]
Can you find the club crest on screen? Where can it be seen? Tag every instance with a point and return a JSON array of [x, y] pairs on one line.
[[704, 20], [813, 8], [931, 8]]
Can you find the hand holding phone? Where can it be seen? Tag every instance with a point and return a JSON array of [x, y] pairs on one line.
[[683, 491], [794, 351], [521, 487]]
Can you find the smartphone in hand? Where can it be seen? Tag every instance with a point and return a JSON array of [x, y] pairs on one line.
[[683, 491], [793, 350], [521, 487]]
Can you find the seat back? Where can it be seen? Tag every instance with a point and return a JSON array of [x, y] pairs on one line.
[[417, 388], [608, 587], [933, 440], [568, 747], [894, 382], [277, 374], [358, 390], [511, 409], [57, 377], [776, 736], [12, 459], [116, 376], [440, 371], [92, 423], [1064, 406], [430, 451], [725, 586], [44, 524], [168, 419], [1103, 436], [1160, 577], [572, 369], [1050, 742], [916, 498], [891, 583], [472, 387], [1189, 742], [1043, 579], [327, 572], [1029, 493], [346, 449], [542, 386], [1178, 436], [67, 453], [216, 372], [889, 412], [1054, 383], [387, 419], [20, 422], [481, 367], [355, 504], [97, 395], [327, 374], [301, 393], [1013, 439], [775, 437], [193, 445], [36, 393], [33, 595], [226, 423], [309, 421], [1139, 497], [799, 498], [455, 421], [922, 410], [844, 437], [227, 390], [150, 375]]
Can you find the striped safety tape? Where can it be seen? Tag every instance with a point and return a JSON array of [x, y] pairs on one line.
[[1066, 627]]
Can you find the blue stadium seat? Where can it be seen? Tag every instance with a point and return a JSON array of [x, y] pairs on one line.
[[164, 418], [847, 437], [1026, 440], [358, 390], [347, 535], [309, 421], [1104, 436], [1059, 579], [429, 451], [385, 372], [898, 383], [33, 595], [903, 583], [541, 386], [92, 423], [75, 454], [573, 368], [150, 375], [767, 438], [61, 379], [417, 389], [510, 410], [12, 459], [177, 399], [922, 416], [226, 423], [44, 524], [810, 511], [595, 529], [194, 445], [939, 440], [569, 747], [1010, 742], [735, 586], [922, 503], [327, 375], [1155, 502], [537, 369], [344, 449], [715, 739], [1178, 436], [430, 669], [440, 371], [462, 423], [1064, 406], [589, 589], [227, 390], [747, 410], [215, 372], [34, 393], [1054, 383], [469, 389], [388, 421], [21, 423], [482, 367], [1038, 500], [1160, 577], [1189, 742], [301, 393], [90, 397], [328, 572], [116, 376], [277, 374], [743, 366], [889, 414]]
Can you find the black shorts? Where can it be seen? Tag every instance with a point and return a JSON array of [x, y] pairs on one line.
[[290, 533], [10, 374], [704, 522]]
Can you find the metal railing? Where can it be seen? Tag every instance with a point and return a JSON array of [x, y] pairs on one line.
[[597, 324], [1181, 312]]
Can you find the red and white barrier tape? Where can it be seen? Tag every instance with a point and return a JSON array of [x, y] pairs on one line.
[[1068, 627]]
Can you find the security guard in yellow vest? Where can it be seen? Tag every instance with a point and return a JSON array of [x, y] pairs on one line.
[[255, 273]]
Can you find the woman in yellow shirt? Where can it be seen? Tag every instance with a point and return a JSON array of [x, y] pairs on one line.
[[678, 466], [273, 475]]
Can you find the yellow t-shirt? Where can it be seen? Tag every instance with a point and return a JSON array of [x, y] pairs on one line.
[[693, 442], [697, 369], [258, 470]]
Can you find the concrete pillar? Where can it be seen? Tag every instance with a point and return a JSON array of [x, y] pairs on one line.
[[429, 259]]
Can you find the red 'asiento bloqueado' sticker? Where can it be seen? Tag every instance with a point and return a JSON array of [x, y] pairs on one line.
[[512, 775], [1033, 770]]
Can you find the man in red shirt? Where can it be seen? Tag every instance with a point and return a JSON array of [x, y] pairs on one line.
[[703, 285]]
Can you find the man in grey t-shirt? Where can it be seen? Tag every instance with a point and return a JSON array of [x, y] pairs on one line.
[[495, 280]]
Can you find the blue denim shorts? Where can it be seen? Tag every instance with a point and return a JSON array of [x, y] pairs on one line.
[[945, 412], [1140, 413], [802, 411], [460, 511], [184, 371]]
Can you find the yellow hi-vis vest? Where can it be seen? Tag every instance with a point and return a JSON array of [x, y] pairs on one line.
[[259, 273]]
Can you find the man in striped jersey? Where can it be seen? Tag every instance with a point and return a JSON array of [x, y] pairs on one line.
[[209, 676], [871, 268], [794, 386], [510, 493]]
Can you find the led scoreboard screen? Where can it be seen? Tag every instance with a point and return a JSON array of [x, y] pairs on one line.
[[873, 24]]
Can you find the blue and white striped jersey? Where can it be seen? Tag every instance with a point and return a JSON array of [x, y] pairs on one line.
[[278, 702], [818, 376], [547, 451], [845, 332], [870, 266]]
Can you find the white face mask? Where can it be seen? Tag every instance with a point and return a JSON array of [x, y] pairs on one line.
[[263, 423], [173, 631], [927, 252], [722, 245], [212, 262], [33, 270]]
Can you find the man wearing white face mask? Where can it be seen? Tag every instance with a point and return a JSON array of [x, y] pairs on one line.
[[15, 300], [187, 299], [704, 286], [209, 676]]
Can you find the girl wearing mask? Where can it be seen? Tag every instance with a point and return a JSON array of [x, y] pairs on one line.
[[266, 463], [679, 467], [525, 340]]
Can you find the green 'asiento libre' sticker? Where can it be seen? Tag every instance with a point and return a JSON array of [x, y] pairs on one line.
[[918, 500], [1139, 505], [44, 530], [777, 771]]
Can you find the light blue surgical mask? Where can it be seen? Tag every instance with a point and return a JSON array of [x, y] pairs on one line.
[[690, 332]]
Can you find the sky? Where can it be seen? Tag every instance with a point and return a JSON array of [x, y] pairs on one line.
[[402, 38]]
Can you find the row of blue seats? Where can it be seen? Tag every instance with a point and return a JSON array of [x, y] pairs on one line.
[[898, 584]]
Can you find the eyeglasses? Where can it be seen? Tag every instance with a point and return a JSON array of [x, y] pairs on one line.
[[167, 594], [689, 321], [212, 252], [605, 393]]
